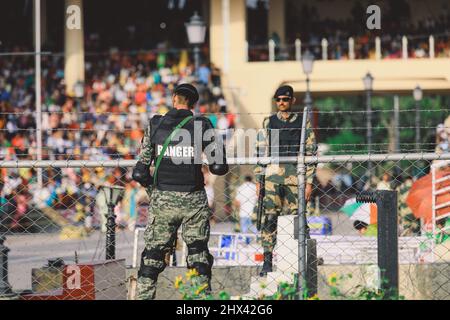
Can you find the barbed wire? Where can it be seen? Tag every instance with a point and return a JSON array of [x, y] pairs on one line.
[[127, 113], [283, 129]]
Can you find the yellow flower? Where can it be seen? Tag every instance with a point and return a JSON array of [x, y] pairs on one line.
[[203, 287], [178, 281], [332, 279], [191, 273], [314, 297]]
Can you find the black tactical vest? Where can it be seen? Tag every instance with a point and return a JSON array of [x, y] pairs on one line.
[[173, 176], [289, 137]]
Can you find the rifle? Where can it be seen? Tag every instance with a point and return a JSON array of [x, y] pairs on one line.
[[260, 206]]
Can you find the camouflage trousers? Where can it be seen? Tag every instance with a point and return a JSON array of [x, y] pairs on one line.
[[167, 212], [279, 200]]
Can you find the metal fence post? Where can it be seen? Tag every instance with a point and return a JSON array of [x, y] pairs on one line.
[[5, 287], [301, 218], [111, 233], [387, 238]]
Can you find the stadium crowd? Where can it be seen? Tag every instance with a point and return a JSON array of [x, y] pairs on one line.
[[121, 93], [396, 23]]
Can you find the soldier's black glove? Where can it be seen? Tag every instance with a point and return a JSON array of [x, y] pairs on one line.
[[141, 174], [219, 169]]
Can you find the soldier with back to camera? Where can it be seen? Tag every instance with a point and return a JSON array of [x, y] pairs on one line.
[[178, 196]]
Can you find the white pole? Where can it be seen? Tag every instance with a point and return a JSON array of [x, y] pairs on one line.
[[324, 49], [431, 45], [226, 35], [247, 53], [433, 210], [298, 50], [37, 30], [271, 50], [351, 48], [397, 122], [405, 47], [378, 48]]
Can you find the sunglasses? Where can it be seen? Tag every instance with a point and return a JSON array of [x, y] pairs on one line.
[[282, 99]]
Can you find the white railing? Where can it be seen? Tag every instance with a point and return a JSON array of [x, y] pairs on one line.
[[324, 47], [439, 191]]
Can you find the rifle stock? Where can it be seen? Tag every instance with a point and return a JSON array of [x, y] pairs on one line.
[[260, 208]]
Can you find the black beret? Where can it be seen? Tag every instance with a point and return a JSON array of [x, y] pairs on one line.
[[187, 90], [284, 91]]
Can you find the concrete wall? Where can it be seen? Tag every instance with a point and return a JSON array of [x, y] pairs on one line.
[[417, 281], [233, 280]]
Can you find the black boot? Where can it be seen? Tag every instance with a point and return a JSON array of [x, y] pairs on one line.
[[267, 266]]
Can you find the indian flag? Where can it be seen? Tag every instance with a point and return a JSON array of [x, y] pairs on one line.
[[366, 212]]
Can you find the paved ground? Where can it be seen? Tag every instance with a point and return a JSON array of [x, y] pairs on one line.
[[34, 251]]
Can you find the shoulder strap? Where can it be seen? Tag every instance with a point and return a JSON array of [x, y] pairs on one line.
[[166, 144]]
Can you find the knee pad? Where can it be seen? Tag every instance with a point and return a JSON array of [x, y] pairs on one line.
[[148, 272], [197, 247], [152, 271], [203, 268]]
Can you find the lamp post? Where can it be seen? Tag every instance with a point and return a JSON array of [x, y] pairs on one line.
[[307, 63], [113, 194], [368, 86], [196, 31], [5, 287], [417, 94]]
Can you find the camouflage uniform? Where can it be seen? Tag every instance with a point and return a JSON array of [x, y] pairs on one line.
[[281, 185], [409, 224], [168, 211]]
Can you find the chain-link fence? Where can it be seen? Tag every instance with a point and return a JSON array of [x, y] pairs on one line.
[[54, 214], [56, 234]]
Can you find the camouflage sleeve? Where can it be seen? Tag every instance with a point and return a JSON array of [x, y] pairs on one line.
[[261, 149], [146, 154], [311, 150]]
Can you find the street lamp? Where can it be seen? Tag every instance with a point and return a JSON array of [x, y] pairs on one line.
[[113, 194], [196, 31], [418, 94], [307, 63], [368, 86]]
